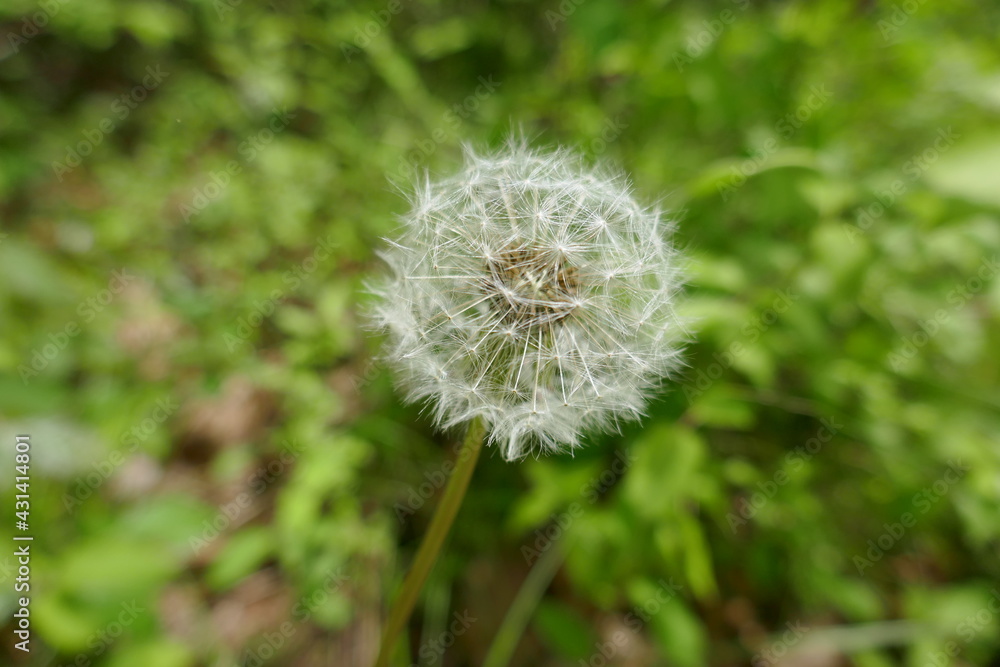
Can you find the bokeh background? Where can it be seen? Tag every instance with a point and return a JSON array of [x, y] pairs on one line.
[[192, 194]]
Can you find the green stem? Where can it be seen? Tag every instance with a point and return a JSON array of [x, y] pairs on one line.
[[524, 605], [431, 546]]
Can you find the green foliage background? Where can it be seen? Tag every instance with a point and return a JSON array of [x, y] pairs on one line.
[[220, 467]]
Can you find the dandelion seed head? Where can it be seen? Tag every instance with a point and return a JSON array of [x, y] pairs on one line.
[[533, 292]]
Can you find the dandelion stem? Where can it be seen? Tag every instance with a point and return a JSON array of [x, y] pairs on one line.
[[431, 546]]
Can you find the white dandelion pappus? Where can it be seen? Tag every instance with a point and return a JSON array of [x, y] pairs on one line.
[[533, 292]]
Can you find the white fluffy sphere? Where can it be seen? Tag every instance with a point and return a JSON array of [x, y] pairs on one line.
[[532, 292]]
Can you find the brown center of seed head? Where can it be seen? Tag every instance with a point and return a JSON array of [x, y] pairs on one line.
[[529, 289]]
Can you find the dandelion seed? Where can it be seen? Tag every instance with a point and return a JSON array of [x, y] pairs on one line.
[[534, 293]]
